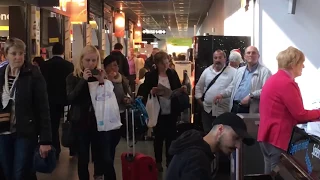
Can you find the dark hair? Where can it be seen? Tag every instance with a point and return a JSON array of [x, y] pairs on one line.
[[110, 59], [159, 57], [38, 59], [118, 46], [57, 49]]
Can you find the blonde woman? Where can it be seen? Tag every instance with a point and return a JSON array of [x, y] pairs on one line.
[[281, 107], [87, 69], [23, 94]]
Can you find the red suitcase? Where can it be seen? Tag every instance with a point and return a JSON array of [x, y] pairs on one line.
[[137, 166]]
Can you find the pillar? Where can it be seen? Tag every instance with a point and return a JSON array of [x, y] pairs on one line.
[[88, 34], [35, 31], [103, 40], [67, 38]]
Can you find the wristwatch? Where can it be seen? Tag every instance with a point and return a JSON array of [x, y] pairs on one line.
[[251, 95]]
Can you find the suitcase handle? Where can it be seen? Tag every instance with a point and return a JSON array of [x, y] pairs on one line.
[[130, 156]]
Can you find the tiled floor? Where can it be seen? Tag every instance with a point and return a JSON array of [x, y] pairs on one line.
[[67, 166]]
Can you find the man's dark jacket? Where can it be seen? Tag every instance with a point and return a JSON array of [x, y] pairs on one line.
[[192, 158], [55, 72]]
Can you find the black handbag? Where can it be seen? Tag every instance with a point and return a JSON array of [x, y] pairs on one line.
[[45, 165], [67, 138]]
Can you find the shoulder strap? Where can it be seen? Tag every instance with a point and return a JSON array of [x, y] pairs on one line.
[[212, 82]]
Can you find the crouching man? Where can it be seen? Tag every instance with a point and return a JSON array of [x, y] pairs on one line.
[[194, 153]]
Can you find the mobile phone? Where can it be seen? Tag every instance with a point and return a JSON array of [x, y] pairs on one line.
[[95, 72]]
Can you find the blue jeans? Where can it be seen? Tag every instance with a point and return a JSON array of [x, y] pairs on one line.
[[107, 150], [16, 157]]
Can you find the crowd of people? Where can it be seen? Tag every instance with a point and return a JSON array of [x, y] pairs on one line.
[[36, 92], [33, 98]]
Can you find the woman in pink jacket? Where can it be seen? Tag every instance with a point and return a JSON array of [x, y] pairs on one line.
[[281, 107]]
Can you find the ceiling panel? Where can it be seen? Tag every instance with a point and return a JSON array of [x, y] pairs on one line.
[[178, 17]]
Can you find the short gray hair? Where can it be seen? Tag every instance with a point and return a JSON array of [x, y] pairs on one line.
[[14, 42], [235, 57]]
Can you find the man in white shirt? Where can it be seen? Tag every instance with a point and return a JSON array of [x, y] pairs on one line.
[[210, 109]]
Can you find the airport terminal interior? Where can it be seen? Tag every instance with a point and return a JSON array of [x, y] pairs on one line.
[[181, 66]]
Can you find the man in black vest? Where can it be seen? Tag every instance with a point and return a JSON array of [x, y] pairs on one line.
[[55, 71]]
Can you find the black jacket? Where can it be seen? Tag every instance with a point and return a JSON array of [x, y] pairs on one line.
[[192, 158], [151, 80], [122, 63], [31, 104], [149, 64], [81, 112], [55, 72]]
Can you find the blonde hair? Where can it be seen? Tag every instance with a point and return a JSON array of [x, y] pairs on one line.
[[290, 57], [14, 43], [78, 68]]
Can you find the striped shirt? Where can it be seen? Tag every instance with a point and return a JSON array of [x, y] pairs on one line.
[[10, 81]]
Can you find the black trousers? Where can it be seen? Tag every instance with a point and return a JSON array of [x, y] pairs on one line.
[[132, 82], [56, 112], [87, 140], [165, 131], [237, 108]]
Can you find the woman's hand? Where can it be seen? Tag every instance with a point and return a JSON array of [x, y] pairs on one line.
[[137, 81], [127, 100], [154, 90], [86, 74], [100, 76], [44, 150]]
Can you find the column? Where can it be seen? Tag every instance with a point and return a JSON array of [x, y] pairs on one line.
[[35, 31], [67, 38], [88, 34], [103, 40]]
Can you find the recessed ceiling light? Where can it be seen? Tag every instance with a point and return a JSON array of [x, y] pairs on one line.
[[181, 10], [181, 3]]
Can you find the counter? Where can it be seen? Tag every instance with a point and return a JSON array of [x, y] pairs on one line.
[[248, 159], [303, 156], [302, 160]]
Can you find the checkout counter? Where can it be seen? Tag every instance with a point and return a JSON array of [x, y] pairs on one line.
[[302, 160]]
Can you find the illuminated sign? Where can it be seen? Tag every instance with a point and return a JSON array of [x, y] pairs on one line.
[[75, 9], [4, 17], [147, 31]]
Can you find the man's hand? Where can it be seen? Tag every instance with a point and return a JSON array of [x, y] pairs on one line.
[[184, 89], [217, 99], [200, 102], [44, 150], [245, 101]]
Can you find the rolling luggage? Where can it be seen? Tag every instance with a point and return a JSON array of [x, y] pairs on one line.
[[136, 166]]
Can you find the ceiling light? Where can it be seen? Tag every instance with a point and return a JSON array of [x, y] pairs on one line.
[[181, 3], [181, 10]]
